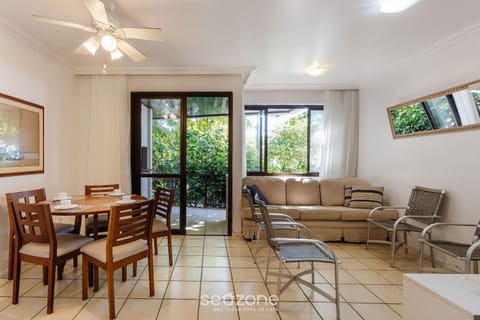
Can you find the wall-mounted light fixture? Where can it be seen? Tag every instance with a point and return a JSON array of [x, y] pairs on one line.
[[316, 69], [394, 6]]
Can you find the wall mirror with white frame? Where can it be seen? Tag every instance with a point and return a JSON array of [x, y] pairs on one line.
[[449, 110]]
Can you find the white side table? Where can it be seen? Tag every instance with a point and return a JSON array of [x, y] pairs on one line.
[[441, 296]]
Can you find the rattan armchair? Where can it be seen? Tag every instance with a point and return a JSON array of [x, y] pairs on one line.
[[466, 252], [299, 250], [422, 210], [280, 221]]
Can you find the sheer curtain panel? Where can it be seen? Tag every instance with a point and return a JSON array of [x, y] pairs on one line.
[[340, 134], [105, 133]]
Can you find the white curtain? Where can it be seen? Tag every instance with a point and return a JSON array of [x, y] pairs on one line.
[[106, 130], [340, 133]]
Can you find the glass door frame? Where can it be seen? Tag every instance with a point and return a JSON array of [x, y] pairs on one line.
[[136, 145]]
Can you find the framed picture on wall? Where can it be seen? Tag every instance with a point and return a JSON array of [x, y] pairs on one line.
[[21, 137]]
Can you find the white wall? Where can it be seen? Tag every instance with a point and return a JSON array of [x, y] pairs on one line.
[[29, 74], [449, 160]]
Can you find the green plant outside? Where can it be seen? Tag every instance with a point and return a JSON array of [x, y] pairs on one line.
[[410, 119]]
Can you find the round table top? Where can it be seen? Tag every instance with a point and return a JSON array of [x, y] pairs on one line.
[[83, 205]]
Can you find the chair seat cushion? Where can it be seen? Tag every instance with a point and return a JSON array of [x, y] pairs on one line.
[[66, 243], [159, 226], [97, 249]]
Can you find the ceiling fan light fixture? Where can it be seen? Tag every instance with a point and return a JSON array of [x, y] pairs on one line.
[[394, 6], [109, 43], [91, 45], [316, 69], [117, 54]]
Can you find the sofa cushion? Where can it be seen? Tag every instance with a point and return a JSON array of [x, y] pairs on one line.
[[302, 191], [332, 191], [292, 211], [350, 214], [319, 213], [366, 197], [273, 188]]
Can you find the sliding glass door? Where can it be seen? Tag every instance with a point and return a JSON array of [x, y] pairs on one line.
[[182, 141]]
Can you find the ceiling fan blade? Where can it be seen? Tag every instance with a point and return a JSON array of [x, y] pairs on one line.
[[64, 23], [97, 10], [130, 51], [153, 34]]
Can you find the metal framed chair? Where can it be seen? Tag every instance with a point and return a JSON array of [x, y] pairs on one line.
[[280, 221], [422, 210], [29, 196], [466, 252], [161, 227], [299, 250], [129, 239], [36, 242]]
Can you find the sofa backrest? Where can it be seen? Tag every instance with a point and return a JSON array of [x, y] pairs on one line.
[[273, 188], [332, 191], [303, 191]]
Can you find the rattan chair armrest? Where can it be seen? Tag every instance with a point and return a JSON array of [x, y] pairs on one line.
[[280, 216], [298, 225], [400, 220], [446, 224], [275, 207], [471, 250], [383, 208]]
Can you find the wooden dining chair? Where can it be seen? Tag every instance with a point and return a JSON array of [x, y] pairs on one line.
[[99, 223], [29, 196], [129, 239], [37, 242], [161, 225]]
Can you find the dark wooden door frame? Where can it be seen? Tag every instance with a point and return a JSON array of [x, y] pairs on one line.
[[136, 143]]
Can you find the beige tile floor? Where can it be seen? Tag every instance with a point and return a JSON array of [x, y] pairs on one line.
[[215, 277]]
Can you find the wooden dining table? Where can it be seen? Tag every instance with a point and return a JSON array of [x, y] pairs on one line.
[[87, 205]]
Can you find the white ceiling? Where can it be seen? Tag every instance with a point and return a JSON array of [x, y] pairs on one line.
[[278, 39]]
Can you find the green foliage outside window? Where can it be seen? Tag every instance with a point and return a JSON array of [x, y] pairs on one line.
[[410, 119], [207, 157], [287, 146]]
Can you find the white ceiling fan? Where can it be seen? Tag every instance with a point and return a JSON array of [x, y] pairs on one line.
[[107, 33]]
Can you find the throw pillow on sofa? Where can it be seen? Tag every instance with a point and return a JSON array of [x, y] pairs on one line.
[[256, 191], [348, 196], [366, 197]]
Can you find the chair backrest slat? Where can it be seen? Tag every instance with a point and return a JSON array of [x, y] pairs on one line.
[[425, 202], [33, 222], [100, 189], [130, 222], [164, 202]]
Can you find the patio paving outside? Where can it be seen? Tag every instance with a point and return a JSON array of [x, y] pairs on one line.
[[202, 221]]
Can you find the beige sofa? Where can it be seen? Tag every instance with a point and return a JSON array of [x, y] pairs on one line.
[[316, 203]]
